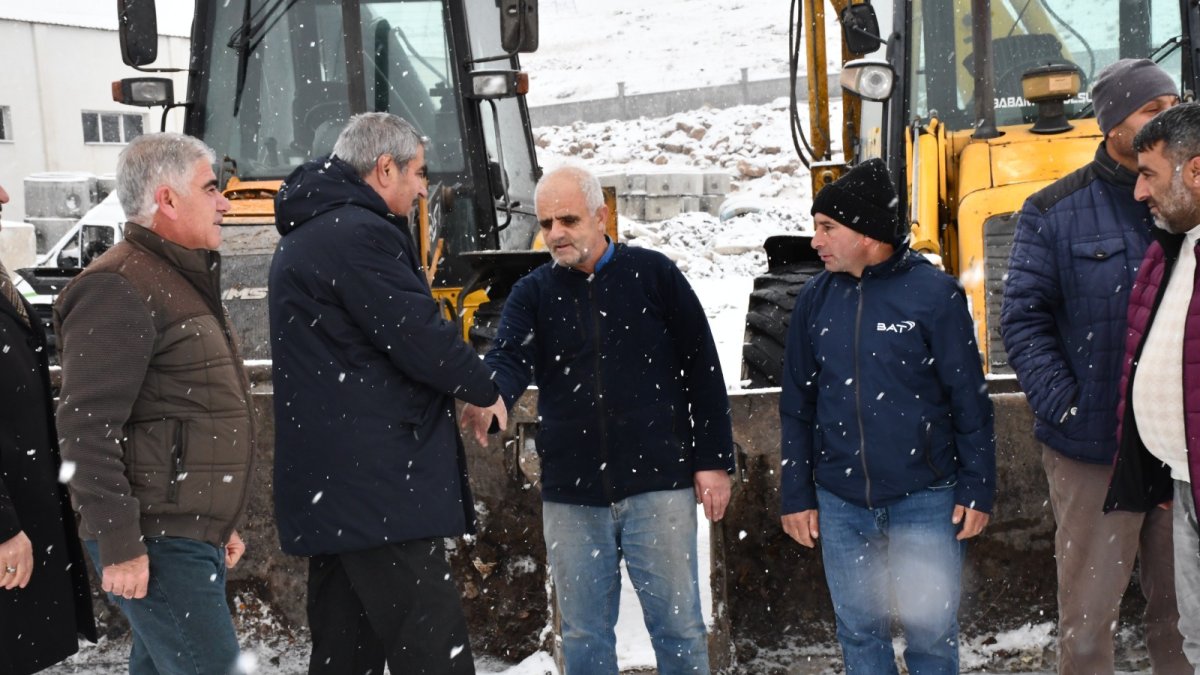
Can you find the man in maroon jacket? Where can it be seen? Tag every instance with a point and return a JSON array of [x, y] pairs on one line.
[[1159, 421]]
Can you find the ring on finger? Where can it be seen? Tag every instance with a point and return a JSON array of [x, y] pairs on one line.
[[9, 569]]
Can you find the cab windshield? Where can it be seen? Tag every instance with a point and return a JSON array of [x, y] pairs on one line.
[[1089, 34], [285, 75]]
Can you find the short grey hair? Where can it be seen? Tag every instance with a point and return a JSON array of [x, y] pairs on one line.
[[369, 136], [589, 185], [151, 161]]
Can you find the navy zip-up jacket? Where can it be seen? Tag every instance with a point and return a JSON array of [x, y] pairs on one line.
[[883, 390], [366, 371], [1078, 246], [631, 398]]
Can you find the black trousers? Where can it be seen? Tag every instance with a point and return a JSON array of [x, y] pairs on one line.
[[394, 603]]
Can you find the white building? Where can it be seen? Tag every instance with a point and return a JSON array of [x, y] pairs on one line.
[[59, 59]]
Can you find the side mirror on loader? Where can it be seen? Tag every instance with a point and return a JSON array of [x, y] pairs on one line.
[[518, 26], [139, 32], [860, 29]]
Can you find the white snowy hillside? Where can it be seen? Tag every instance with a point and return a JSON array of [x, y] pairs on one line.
[[587, 47]]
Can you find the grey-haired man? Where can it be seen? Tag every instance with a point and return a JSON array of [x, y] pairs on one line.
[[156, 413]]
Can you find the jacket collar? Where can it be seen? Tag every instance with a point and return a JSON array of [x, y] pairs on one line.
[[199, 266], [1112, 171], [614, 251], [185, 259], [897, 262], [8, 309], [1170, 242]]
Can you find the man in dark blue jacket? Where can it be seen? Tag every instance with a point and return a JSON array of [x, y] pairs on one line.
[[634, 424], [888, 450], [370, 473], [1078, 245]]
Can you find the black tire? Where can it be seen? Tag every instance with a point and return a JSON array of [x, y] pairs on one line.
[[483, 328], [767, 319]]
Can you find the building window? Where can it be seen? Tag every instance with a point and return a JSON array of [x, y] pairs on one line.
[[104, 127], [5, 123]]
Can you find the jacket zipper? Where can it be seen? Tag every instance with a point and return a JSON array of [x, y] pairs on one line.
[[862, 434], [219, 312], [606, 471], [177, 466], [937, 475]]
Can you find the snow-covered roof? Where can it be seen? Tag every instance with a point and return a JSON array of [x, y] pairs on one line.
[[174, 16]]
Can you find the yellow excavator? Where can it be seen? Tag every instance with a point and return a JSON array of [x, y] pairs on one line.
[[974, 105], [272, 82]]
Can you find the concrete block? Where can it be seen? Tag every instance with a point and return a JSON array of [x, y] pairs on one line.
[[635, 182], [59, 194], [717, 183], [689, 203], [612, 180], [632, 205], [18, 245], [662, 207], [50, 230], [711, 204], [675, 183]]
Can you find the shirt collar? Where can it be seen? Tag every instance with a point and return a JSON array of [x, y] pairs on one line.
[[608, 254]]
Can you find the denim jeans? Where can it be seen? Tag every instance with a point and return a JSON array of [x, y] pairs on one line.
[[1187, 570], [908, 549], [183, 625], [655, 532]]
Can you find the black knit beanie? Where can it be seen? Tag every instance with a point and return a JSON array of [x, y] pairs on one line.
[[864, 200]]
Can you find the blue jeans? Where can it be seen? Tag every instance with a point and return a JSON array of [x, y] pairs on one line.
[[656, 534], [183, 625], [909, 549]]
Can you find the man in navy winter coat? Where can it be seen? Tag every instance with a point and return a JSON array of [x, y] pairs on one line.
[[1079, 243], [634, 425], [370, 473], [888, 449]]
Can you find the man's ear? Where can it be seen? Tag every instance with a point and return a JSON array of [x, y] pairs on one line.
[[166, 201], [385, 170], [1191, 173]]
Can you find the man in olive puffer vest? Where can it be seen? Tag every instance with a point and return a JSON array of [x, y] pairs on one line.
[[155, 411]]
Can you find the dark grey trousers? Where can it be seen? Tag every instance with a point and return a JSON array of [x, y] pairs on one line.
[[396, 603]]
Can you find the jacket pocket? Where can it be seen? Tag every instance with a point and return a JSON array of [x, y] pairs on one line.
[[178, 464], [1099, 267], [927, 446], [416, 404], [215, 463], [150, 456]]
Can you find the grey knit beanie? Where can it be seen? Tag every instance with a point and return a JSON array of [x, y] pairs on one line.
[[1126, 85]]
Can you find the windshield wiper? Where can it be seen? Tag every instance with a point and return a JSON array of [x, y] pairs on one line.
[[250, 35], [1164, 50]]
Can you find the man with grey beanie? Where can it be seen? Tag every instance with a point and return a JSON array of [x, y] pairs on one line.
[[1078, 245]]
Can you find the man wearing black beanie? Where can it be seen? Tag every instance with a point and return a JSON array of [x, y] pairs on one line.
[[888, 446], [1077, 248]]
